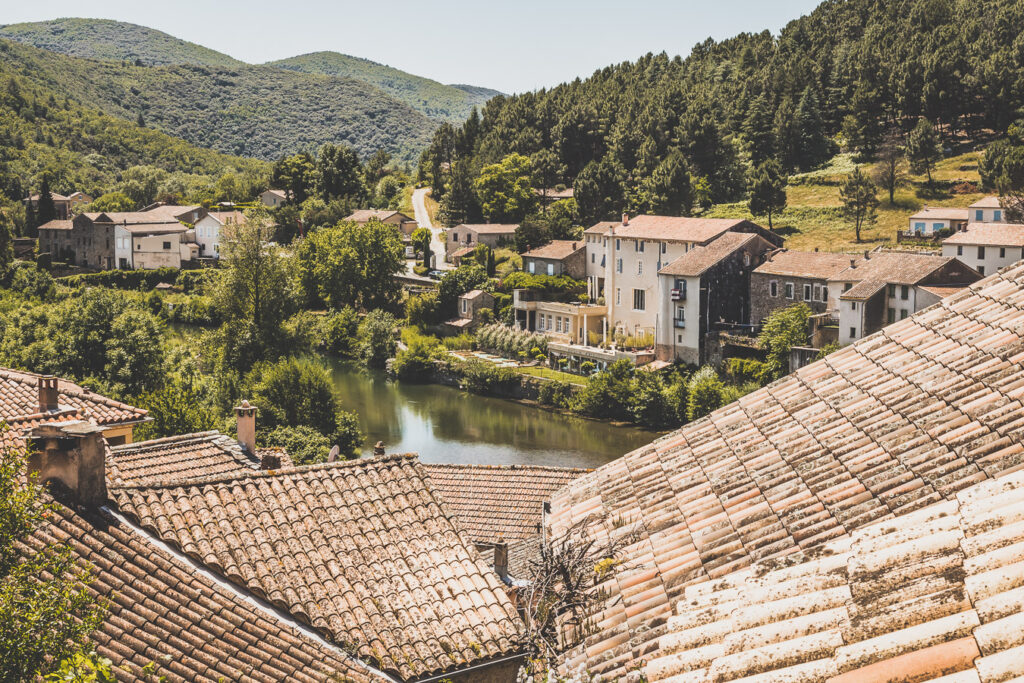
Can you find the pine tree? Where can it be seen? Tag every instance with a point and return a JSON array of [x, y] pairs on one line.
[[889, 173], [812, 143], [46, 211], [923, 148], [860, 200], [759, 132], [670, 192], [767, 187]]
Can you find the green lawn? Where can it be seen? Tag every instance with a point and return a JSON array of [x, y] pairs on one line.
[[548, 373]]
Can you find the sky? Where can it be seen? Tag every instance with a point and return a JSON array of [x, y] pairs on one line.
[[508, 46]]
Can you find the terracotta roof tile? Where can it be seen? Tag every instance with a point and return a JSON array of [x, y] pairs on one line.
[[165, 613], [185, 457], [697, 260], [675, 228], [995, 234], [360, 550], [556, 249], [941, 213], [19, 397], [57, 224], [810, 264], [904, 599], [988, 203], [894, 423], [363, 215], [898, 267], [490, 228]]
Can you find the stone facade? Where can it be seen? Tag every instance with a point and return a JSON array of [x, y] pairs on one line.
[[770, 292]]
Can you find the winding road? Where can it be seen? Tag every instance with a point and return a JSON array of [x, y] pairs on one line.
[[419, 206]]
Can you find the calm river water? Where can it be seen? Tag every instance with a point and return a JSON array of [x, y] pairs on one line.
[[443, 424]]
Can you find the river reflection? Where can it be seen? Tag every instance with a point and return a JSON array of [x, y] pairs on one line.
[[443, 424]]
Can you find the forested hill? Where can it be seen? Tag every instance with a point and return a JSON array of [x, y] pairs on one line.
[[114, 40], [435, 100], [254, 111], [845, 73]]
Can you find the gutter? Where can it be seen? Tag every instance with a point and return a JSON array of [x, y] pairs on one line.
[[262, 606]]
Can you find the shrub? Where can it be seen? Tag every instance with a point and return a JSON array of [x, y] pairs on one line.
[[415, 361], [705, 393], [32, 282], [555, 393], [422, 310], [486, 378], [740, 370], [607, 394], [463, 342], [304, 445], [377, 338], [196, 280], [124, 279], [194, 310], [507, 342]]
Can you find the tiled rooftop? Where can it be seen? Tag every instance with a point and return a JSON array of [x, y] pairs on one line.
[[186, 457], [490, 228], [941, 213], [676, 228], [938, 592], [985, 234], [19, 396], [699, 259], [818, 265], [359, 550], [363, 215], [492, 502], [57, 224], [897, 421], [165, 613], [556, 249], [897, 267]]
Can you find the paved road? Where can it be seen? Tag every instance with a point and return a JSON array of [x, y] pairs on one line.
[[419, 207]]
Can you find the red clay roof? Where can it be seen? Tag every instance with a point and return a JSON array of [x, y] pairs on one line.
[[493, 502], [57, 224], [988, 203], [556, 249], [816, 265], [897, 421], [363, 215], [490, 228], [675, 228], [19, 396], [941, 213], [163, 613], [894, 267], [985, 234], [699, 259], [360, 550], [935, 593], [184, 457]]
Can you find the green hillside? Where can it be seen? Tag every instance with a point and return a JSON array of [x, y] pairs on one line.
[[254, 111], [436, 100], [114, 40]]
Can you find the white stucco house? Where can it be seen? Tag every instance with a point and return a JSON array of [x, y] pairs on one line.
[[209, 229]]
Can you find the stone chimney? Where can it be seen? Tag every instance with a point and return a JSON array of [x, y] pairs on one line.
[[853, 263], [73, 453], [867, 254], [48, 394], [245, 418], [378, 448], [625, 219], [501, 559]]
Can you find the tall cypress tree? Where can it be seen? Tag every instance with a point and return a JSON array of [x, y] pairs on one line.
[[46, 211], [813, 146], [759, 133]]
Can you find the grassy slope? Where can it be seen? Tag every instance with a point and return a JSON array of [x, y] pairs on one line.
[[114, 40], [813, 218], [436, 100], [254, 111]]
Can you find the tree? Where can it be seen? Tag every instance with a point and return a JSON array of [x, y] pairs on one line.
[[600, 190], [179, 406], [460, 204], [296, 175], [546, 171], [669, 189], [254, 293], [351, 265], [376, 167], [46, 610], [784, 329], [1002, 168], [340, 174], [7, 244], [812, 142], [377, 338], [759, 132], [421, 238], [46, 211], [533, 231], [112, 201], [455, 283], [923, 148], [860, 199], [704, 393], [505, 191], [889, 172], [767, 187]]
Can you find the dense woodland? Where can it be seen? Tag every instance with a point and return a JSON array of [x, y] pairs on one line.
[[845, 75]]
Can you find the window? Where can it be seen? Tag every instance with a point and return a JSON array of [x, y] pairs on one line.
[[618, 244], [602, 260], [551, 269], [558, 323], [465, 305], [904, 292], [979, 215], [937, 226], [530, 267], [773, 288], [746, 258], [593, 258], [903, 314], [891, 317], [981, 270], [919, 227], [817, 292], [789, 290], [853, 332], [664, 247], [642, 244], [997, 215], [846, 286], [639, 299], [1002, 252], [981, 252], [807, 292], [824, 294], [639, 267], [959, 250], [618, 296], [618, 265], [167, 245], [853, 305], [892, 291]]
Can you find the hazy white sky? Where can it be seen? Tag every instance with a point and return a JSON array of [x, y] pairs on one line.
[[508, 46]]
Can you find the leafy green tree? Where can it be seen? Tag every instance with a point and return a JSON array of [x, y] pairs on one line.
[[460, 204], [784, 329], [296, 175], [135, 353], [6, 244], [455, 283], [600, 190], [860, 199], [142, 183], [924, 148], [767, 187], [547, 171], [421, 238], [608, 394], [669, 189], [46, 610], [352, 265], [304, 445], [377, 338], [340, 174], [376, 167], [505, 190], [758, 128], [704, 393], [651, 402], [33, 282], [1002, 168], [180, 405], [112, 201]]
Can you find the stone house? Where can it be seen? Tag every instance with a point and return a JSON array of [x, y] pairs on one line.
[[492, 234], [404, 224], [64, 206], [470, 306], [790, 277], [558, 257]]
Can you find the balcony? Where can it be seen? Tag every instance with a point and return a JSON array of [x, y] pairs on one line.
[[679, 294], [678, 323]]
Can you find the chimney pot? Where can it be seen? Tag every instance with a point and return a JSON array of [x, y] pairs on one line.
[[501, 559], [378, 448], [48, 394], [853, 263], [867, 254], [625, 219], [245, 425], [73, 453]]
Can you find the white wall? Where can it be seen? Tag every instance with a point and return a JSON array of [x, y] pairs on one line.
[[639, 271], [994, 257], [123, 247], [986, 215], [928, 226], [208, 236]]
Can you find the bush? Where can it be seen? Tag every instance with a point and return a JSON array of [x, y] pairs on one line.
[[193, 310], [741, 370], [44, 261], [377, 338], [422, 310], [463, 342], [420, 270], [304, 445], [416, 361], [124, 279], [608, 393], [196, 280], [509, 343], [336, 332], [705, 393], [487, 379], [555, 393], [32, 282]]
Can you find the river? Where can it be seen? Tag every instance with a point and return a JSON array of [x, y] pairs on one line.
[[443, 424]]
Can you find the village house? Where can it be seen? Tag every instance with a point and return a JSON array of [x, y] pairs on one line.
[[64, 206], [568, 322], [471, 306], [932, 219], [56, 238], [987, 210], [273, 198], [404, 224], [791, 277], [857, 520], [707, 286], [986, 247], [554, 194], [559, 257], [492, 234], [209, 230], [883, 287]]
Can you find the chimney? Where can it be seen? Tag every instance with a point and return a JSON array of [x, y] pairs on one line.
[[501, 559], [867, 254], [47, 393], [73, 453], [270, 460], [853, 263], [625, 219], [378, 448], [245, 418]]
